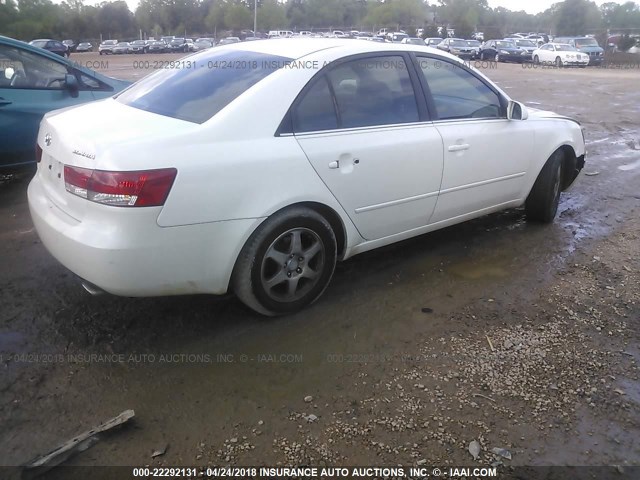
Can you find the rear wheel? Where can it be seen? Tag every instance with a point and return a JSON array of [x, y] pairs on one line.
[[542, 202], [536, 60], [287, 262], [558, 62], [497, 57]]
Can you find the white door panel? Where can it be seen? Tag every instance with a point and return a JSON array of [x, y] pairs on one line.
[[387, 179], [485, 162]]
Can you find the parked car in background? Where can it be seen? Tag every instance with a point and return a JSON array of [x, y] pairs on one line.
[[179, 44], [560, 55], [157, 46], [106, 47], [413, 41], [456, 46], [70, 44], [167, 39], [478, 36], [525, 44], [433, 41], [165, 165], [229, 41], [588, 45], [138, 46], [475, 45], [84, 47], [200, 44], [397, 37], [53, 46], [121, 48], [32, 82], [503, 51], [190, 44]]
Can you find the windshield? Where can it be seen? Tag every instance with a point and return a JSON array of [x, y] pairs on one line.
[[202, 86], [525, 43], [504, 44], [586, 42], [473, 43], [458, 43], [564, 47], [415, 41]]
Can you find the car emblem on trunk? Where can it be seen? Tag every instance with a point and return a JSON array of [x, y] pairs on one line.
[[47, 139]]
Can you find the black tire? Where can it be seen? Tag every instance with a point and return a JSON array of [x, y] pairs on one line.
[[497, 58], [257, 266], [542, 202], [559, 62], [536, 60]]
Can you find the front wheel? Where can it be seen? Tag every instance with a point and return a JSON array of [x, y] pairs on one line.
[[542, 203], [287, 262], [497, 57], [536, 60], [558, 62]]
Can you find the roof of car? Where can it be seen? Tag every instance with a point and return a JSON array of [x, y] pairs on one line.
[[300, 47]]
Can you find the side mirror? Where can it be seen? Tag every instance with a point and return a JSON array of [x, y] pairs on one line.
[[9, 72], [71, 84], [517, 111]]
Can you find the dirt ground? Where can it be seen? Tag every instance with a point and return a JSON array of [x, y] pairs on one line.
[[517, 336]]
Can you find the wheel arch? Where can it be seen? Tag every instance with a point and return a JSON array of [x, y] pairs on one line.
[[334, 219], [571, 165]]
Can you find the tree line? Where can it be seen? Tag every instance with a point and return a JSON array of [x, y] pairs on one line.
[[28, 19]]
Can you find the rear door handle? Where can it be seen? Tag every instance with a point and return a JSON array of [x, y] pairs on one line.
[[4, 102], [335, 164], [459, 148]]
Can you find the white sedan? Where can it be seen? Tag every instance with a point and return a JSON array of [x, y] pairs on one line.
[[254, 167], [560, 55]]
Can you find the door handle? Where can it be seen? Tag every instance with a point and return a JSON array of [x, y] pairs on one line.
[[335, 164], [4, 102], [459, 148]]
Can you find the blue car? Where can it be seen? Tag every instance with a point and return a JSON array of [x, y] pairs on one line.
[[33, 82]]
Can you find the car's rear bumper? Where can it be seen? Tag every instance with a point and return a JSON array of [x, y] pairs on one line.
[[125, 252]]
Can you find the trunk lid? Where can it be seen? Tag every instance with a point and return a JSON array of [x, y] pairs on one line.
[[84, 136]]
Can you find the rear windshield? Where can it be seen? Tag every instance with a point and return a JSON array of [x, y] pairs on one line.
[[202, 84]]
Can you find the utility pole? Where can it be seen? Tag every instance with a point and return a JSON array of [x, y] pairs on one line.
[[255, 16]]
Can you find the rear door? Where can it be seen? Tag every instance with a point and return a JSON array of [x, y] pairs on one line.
[[364, 129]]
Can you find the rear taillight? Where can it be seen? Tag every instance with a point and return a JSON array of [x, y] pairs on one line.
[[38, 153], [143, 188]]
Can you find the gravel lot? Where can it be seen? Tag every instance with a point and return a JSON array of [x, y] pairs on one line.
[[513, 336]]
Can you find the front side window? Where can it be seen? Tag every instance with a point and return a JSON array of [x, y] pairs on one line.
[[373, 91], [202, 85], [27, 70], [457, 93]]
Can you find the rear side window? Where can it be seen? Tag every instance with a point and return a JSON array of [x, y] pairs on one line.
[[201, 85], [316, 111], [374, 91]]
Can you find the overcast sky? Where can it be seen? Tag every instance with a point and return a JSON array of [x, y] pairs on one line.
[[531, 6]]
